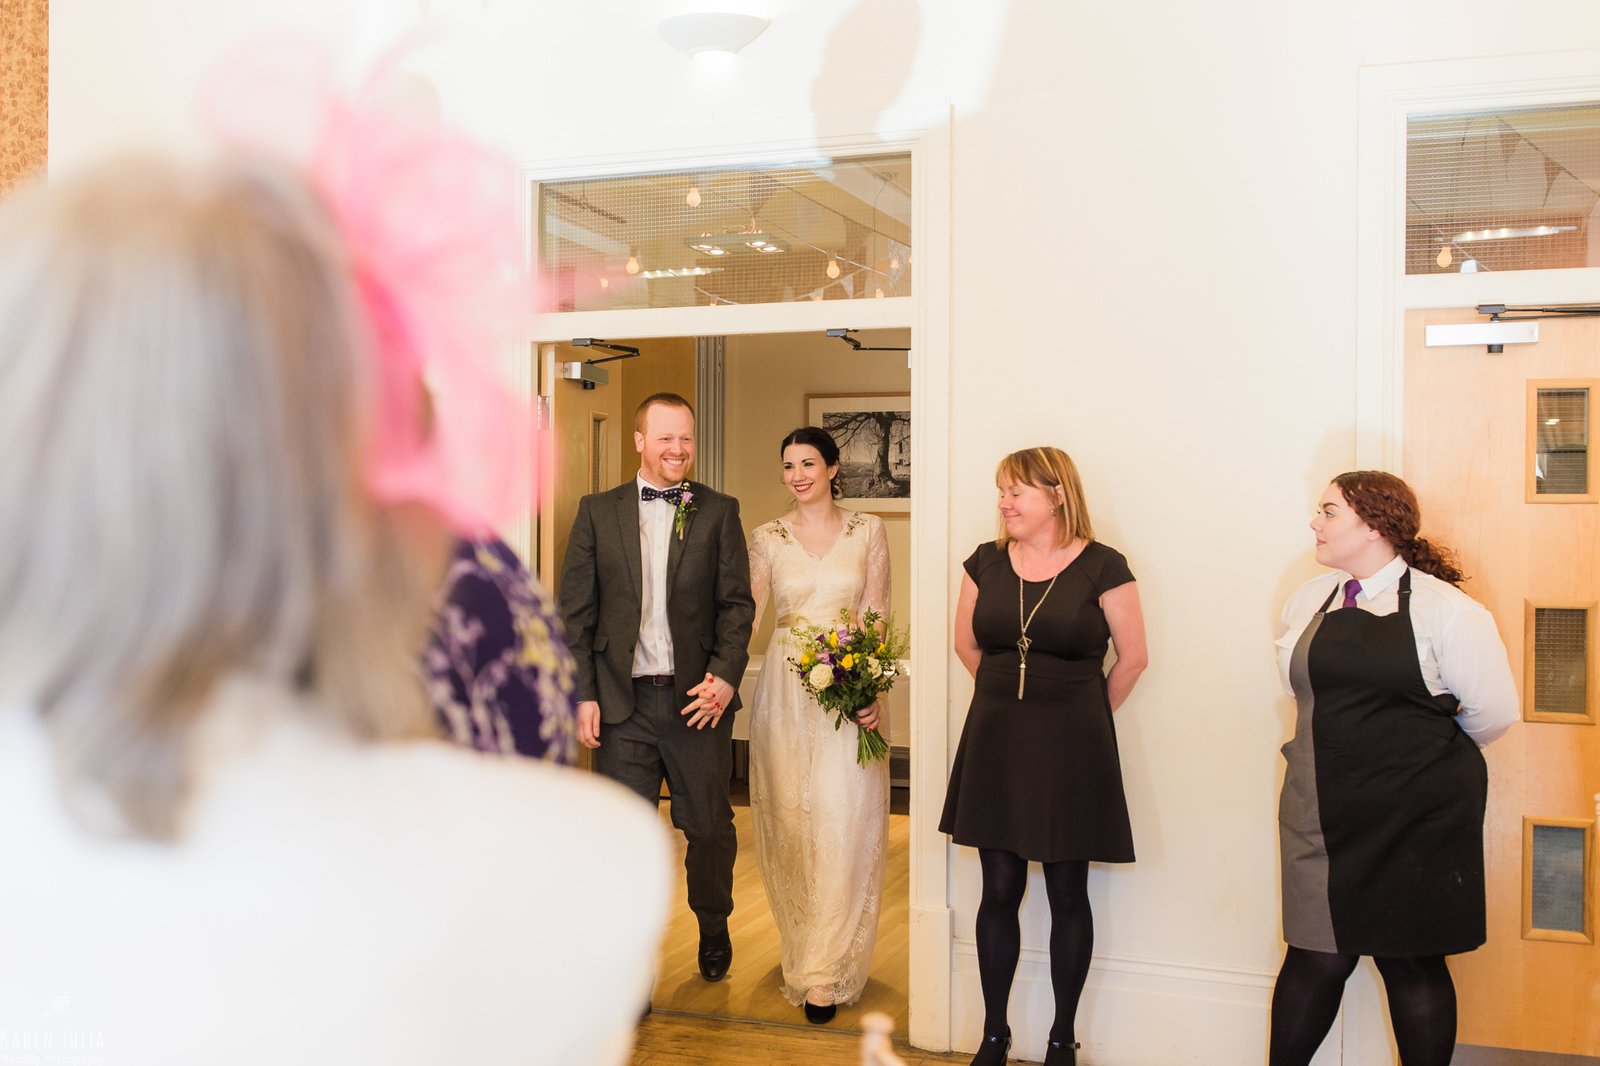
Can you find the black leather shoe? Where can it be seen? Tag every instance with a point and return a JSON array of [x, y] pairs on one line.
[[993, 1050], [820, 1015], [715, 955], [1058, 1054]]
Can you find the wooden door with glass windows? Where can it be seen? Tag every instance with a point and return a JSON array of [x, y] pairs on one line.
[[1501, 451], [587, 440], [585, 437]]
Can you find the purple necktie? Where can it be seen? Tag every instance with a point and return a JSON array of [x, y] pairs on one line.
[[1351, 587]]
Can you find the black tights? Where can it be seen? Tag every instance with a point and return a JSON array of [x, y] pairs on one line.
[[1422, 1005], [1005, 879]]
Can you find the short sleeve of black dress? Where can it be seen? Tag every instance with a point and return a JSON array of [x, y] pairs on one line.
[[1038, 774]]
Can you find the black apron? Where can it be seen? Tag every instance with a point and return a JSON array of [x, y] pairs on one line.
[[1381, 816]]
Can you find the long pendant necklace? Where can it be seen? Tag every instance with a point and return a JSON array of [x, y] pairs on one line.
[[1023, 643]]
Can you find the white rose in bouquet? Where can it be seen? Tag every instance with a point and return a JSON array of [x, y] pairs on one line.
[[821, 676]]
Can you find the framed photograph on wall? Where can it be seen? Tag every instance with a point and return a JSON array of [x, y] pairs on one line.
[[873, 431]]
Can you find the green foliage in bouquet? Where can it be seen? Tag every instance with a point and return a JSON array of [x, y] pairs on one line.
[[845, 667]]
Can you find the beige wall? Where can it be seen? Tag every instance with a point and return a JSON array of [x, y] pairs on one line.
[[768, 379], [665, 364]]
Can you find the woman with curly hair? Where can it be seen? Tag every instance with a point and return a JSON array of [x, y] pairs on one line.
[[1400, 678]]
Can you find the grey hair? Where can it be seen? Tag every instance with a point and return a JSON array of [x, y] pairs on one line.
[[181, 498]]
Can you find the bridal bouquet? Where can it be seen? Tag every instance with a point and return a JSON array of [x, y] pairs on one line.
[[845, 667]]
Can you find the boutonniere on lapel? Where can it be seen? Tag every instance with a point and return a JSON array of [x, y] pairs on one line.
[[685, 508]]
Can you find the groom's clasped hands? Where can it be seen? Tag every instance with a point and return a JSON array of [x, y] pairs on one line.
[[711, 698]]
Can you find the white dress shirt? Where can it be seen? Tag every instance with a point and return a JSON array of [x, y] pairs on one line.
[[1458, 647], [653, 654]]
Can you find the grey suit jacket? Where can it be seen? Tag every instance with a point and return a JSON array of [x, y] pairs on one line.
[[709, 606]]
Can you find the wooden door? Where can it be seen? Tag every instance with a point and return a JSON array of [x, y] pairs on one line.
[[592, 429], [1493, 446], [587, 433]]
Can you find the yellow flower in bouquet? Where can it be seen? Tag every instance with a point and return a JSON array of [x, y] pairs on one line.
[[846, 667]]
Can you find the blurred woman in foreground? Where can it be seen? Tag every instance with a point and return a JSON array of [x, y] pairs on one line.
[[238, 843]]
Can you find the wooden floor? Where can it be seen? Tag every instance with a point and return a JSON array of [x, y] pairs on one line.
[[752, 989], [692, 1040]]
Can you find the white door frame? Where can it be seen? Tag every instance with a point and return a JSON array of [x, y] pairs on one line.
[[1389, 96], [927, 313]]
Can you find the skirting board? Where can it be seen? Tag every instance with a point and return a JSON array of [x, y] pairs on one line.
[[1135, 1012], [1493, 1056], [930, 984]]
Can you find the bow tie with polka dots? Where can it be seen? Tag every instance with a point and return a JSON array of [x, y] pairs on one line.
[[672, 496]]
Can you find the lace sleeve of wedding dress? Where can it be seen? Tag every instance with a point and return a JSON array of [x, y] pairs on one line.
[[760, 574], [875, 592]]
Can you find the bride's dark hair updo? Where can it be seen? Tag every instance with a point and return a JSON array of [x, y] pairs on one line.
[[823, 442], [1388, 505]]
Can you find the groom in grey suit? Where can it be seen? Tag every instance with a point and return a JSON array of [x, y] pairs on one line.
[[655, 589]]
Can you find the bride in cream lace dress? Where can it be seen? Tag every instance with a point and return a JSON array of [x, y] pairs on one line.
[[821, 820]]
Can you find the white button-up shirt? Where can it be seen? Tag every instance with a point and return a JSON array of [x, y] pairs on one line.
[[653, 654], [1458, 647]]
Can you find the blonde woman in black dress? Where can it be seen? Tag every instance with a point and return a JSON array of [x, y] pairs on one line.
[[1036, 776]]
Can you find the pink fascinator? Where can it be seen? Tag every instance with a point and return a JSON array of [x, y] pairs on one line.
[[430, 225]]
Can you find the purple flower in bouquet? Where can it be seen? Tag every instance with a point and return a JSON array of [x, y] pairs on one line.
[[847, 667]]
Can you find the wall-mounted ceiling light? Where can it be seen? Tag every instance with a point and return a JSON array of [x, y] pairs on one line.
[[1506, 233], [711, 31], [692, 197], [744, 240]]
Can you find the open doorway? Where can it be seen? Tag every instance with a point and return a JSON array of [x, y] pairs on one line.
[[768, 384]]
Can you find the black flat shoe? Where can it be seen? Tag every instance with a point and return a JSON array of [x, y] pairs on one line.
[[994, 1050], [820, 1015], [1059, 1054], [716, 953]]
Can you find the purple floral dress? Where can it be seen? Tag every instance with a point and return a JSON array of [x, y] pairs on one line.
[[497, 667]]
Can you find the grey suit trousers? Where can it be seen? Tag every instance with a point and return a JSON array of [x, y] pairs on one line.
[[653, 744]]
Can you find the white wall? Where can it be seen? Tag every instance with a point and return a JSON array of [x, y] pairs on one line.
[[1153, 243]]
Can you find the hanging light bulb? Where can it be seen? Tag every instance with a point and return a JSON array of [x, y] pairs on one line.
[[878, 293], [1444, 257], [693, 197], [605, 283], [633, 264], [833, 267]]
